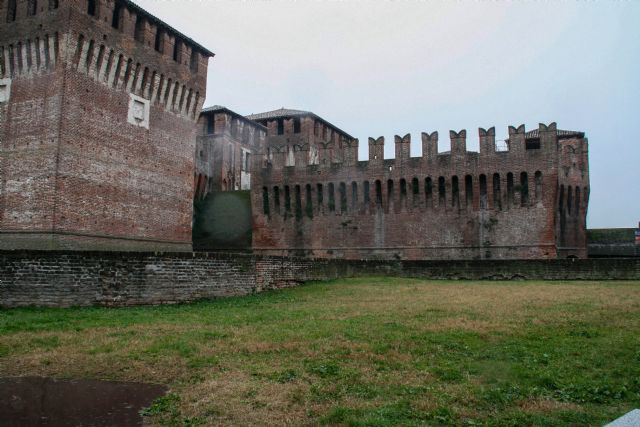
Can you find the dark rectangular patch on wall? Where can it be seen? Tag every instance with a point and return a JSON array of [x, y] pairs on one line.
[[222, 220]]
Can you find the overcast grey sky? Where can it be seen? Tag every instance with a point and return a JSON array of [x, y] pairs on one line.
[[386, 68]]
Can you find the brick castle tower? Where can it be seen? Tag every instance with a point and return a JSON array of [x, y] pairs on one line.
[[98, 105]]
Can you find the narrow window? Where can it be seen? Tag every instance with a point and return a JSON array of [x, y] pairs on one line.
[[136, 77], [195, 59], [332, 198], [116, 77], [177, 47], [538, 186], [298, 202], [468, 191], [389, 193], [210, 124], [354, 196], [91, 7], [127, 72], [509, 189], [524, 189], [159, 43], [107, 70], [265, 201], [280, 126], [497, 195], [455, 192], [428, 192], [308, 201], [276, 199], [38, 45], [32, 7], [182, 95], [29, 57], [196, 103], [176, 87], [320, 195], [403, 191], [378, 193], [166, 92], [442, 196], [577, 209], [343, 197], [53, 4], [561, 200], [569, 199], [366, 196], [234, 128], [89, 55], [415, 189], [296, 125], [117, 15], [139, 30], [100, 60], [483, 192], [11, 11], [287, 200]]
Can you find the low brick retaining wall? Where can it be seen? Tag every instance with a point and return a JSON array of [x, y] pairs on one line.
[[63, 279]]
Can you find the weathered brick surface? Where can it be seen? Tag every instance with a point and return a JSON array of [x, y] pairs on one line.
[[529, 202], [77, 171], [62, 279]]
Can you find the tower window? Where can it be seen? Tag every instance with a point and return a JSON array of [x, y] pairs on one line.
[[91, 7], [176, 50]]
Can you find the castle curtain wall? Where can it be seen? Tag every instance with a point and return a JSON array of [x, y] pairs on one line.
[[454, 205]]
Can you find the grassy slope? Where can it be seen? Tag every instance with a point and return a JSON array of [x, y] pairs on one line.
[[358, 352]]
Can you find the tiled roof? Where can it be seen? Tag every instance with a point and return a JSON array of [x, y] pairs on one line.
[[282, 112], [536, 134], [289, 112], [223, 109], [214, 108]]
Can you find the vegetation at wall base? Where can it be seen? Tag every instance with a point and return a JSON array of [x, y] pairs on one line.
[[357, 352]]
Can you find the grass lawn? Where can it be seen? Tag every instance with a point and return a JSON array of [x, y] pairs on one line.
[[376, 351]]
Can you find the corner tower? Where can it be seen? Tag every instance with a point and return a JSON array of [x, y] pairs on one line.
[[98, 105]]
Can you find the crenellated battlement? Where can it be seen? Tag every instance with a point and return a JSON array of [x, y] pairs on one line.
[[520, 146]]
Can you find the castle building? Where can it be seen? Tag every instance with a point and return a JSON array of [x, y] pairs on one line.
[[98, 108], [225, 146], [522, 199], [297, 135], [103, 147]]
